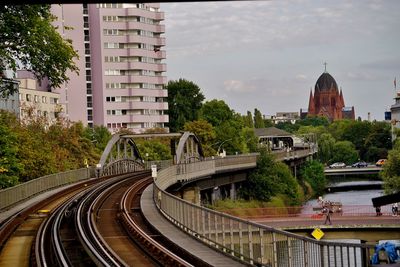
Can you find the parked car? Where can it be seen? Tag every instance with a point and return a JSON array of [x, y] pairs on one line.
[[380, 162], [359, 164], [337, 165]]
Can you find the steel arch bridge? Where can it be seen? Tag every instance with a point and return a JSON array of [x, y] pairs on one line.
[[122, 155]]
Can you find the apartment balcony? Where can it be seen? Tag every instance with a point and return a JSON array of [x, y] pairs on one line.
[[145, 13], [138, 92], [136, 118], [137, 105]]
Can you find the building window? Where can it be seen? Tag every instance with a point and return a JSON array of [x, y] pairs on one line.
[[44, 99], [28, 97]]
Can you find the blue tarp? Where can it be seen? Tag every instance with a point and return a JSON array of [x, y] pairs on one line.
[[390, 250]]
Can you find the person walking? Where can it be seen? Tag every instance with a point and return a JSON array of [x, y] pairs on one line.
[[378, 210], [327, 211], [395, 209]]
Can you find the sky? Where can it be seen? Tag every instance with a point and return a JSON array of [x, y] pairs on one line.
[[269, 54]]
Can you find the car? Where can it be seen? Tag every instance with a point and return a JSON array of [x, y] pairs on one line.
[[359, 164], [337, 165], [380, 162]]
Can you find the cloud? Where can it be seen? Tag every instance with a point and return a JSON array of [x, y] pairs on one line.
[[238, 86], [301, 77], [382, 64]]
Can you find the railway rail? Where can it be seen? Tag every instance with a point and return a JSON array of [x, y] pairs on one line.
[[17, 233], [103, 226]]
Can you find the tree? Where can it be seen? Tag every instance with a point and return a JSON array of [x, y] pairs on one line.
[[216, 112], [269, 179], [344, 151], [10, 168], [390, 173], [184, 102], [250, 140], [205, 132], [154, 149], [258, 119], [99, 135], [313, 121], [313, 173], [325, 147], [248, 120], [29, 39]]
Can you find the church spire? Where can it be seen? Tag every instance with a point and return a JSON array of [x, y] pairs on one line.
[[311, 106], [341, 97], [325, 66]]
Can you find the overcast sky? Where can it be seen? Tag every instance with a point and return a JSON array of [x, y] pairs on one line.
[[268, 54]]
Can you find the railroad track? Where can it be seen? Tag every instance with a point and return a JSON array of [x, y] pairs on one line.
[[103, 226], [17, 234]]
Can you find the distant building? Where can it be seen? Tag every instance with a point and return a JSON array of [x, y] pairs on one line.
[[395, 111], [327, 101], [10, 103], [291, 117], [34, 102]]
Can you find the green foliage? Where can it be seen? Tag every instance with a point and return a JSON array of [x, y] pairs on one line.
[[325, 147], [248, 120], [216, 112], [42, 149], [9, 165], [154, 149], [313, 173], [344, 151], [98, 135], [184, 102], [28, 38], [258, 119], [288, 126], [314, 121], [390, 173], [251, 140], [206, 134], [270, 179]]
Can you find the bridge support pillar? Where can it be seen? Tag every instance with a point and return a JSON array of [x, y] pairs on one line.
[[192, 194], [215, 195], [232, 192]]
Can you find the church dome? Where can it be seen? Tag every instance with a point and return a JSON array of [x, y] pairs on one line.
[[326, 82]]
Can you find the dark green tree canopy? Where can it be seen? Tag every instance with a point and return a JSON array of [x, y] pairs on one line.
[[258, 119], [29, 40], [184, 102], [216, 112]]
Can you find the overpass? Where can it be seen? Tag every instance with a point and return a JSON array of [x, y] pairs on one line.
[[352, 171]]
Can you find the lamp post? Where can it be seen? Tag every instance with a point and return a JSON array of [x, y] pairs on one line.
[[219, 147]]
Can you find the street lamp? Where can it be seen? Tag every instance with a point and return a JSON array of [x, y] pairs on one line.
[[219, 147]]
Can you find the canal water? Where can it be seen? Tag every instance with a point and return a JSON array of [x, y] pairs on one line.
[[361, 198]]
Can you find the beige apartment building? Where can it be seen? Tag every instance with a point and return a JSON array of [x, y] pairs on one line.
[[36, 103]]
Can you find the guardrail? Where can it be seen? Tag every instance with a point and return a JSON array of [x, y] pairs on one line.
[[16, 194], [249, 242]]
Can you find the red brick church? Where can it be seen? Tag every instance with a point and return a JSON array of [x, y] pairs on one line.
[[327, 101]]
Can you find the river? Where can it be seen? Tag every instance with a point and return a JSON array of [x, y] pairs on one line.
[[350, 198]]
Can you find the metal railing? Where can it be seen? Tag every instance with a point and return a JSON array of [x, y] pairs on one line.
[[16, 194], [249, 242]]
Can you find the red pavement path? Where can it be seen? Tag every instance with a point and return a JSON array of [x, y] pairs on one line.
[[337, 221]]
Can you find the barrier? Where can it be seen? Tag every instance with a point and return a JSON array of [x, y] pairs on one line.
[[249, 242], [16, 194]]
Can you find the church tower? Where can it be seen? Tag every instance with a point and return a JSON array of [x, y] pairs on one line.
[[327, 101]]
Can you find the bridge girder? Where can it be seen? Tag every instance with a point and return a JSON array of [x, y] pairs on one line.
[[122, 154]]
